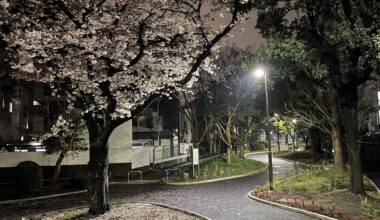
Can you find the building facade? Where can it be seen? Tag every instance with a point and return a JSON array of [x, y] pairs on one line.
[[150, 138]]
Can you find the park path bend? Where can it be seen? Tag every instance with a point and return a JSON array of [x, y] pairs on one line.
[[225, 200]]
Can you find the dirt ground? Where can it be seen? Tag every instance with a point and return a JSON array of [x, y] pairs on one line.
[[130, 211]]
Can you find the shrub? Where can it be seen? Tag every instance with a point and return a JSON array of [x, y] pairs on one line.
[[257, 146], [265, 143], [28, 178]]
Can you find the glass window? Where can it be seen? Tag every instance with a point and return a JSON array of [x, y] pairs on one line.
[[378, 98]]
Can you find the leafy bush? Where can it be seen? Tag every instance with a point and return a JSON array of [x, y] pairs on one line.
[[28, 178], [257, 146], [261, 145], [265, 143]]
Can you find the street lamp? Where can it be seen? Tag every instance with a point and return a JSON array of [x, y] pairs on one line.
[[260, 73], [294, 121]]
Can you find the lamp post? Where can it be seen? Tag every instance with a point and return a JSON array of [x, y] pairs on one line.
[[260, 73], [294, 121], [276, 116]]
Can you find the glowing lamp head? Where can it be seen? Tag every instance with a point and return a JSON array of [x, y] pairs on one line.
[[259, 73]]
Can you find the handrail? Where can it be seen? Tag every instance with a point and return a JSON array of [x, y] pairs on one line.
[[135, 171]]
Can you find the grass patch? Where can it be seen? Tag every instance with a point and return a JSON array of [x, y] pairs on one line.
[[319, 179], [323, 189], [219, 168]]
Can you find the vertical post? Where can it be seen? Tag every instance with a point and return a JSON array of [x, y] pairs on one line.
[[270, 166]]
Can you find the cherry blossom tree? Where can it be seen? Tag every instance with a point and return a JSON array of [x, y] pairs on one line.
[[65, 137], [109, 57]]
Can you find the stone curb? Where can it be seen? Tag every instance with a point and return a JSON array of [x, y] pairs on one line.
[[134, 182], [178, 209], [289, 208], [41, 197], [74, 193], [216, 180], [292, 161], [252, 153]]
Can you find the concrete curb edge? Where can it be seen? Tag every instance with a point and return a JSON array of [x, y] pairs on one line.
[[374, 185], [71, 193], [177, 209], [292, 161], [289, 208], [42, 197], [217, 180], [252, 153]]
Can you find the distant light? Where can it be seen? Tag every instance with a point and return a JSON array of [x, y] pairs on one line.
[[10, 107], [35, 103], [276, 115], [259, 72], [3, 104], [294, 121], [35, 143], [22, 138], [27, 120]]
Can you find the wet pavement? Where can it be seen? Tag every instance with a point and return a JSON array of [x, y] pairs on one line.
[[219, 200], [225, 199]]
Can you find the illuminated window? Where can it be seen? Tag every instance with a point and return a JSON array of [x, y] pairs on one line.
[[3, 104], [10, 107], [35, 103]]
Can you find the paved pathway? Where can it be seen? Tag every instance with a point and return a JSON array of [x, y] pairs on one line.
[[218, 200], [226, 199]]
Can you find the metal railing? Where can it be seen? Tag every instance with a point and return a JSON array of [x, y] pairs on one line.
[[160, 153], [135, 171]]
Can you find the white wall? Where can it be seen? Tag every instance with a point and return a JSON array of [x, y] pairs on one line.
[[121, 137], [120, 143], [120, 151]]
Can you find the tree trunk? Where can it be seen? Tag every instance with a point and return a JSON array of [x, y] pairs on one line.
[[315, 142], [242, 150], [336, 131], [229, 143], [229, 154], [349, 102], [306, 140], [336, 140], [293, 143], [98, 183], [57, 168]]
